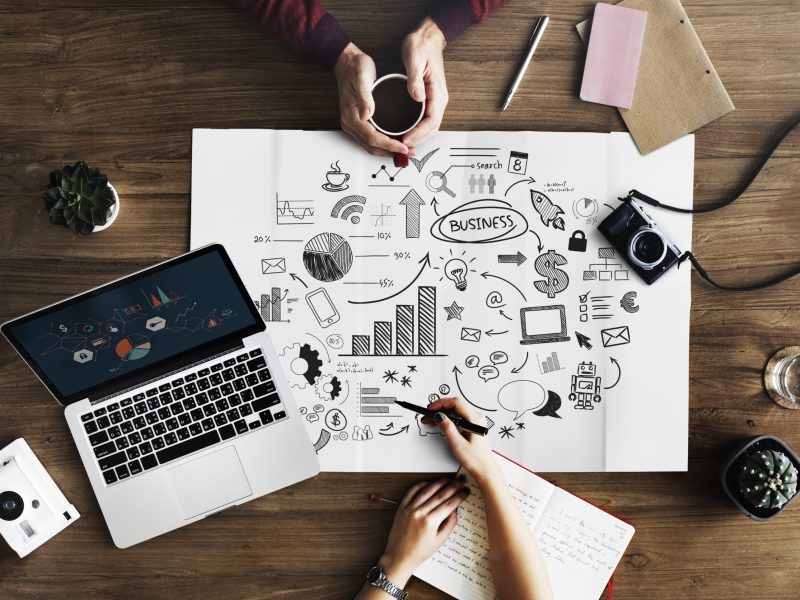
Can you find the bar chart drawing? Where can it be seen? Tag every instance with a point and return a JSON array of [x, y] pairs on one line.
[[271, 306], [550, 364], [397, 339], [372, 404]]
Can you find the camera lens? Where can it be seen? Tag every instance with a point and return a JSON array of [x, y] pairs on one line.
[[11, 506], [647, 248]]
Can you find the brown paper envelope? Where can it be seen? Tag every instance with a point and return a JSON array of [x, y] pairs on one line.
[[674, 94]]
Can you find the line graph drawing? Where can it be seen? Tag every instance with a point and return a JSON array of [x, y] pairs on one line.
[[294, 212], [383, 215]]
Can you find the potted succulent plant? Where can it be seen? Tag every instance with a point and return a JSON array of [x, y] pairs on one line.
[[761, 477], [81, 198]]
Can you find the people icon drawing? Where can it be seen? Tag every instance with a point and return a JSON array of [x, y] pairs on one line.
[[471, 182]]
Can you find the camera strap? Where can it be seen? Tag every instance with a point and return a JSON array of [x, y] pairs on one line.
[[637, 195]]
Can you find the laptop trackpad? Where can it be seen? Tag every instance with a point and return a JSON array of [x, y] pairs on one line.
[[209, 482]]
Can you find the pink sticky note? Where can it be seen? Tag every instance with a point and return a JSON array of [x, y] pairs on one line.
[[612, 60]]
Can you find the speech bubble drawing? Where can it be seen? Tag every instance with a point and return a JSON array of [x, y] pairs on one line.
[[520, 396], [472, 361], [550, 408], [335, 341], [498, 357], [488, 372]]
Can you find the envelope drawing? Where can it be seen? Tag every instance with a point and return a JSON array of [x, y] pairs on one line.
[[273, 265], [615, 336], [468, 334]]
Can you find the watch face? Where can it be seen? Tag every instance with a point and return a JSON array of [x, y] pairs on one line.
[[374, 574]]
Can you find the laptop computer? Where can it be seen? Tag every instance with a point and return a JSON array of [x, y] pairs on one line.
[[173, 393], [543, 324]]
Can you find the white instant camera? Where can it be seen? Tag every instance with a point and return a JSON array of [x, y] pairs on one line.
[[32, 508]]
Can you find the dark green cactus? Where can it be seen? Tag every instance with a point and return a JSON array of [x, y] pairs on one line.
[[79, 198], [768, 479]]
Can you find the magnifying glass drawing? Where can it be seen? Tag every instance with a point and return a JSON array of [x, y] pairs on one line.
[[437, 182]]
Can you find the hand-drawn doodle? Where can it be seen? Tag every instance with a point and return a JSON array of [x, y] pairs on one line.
[[362, 434], [271, 306], [419, 163], [385, 432], [436, 181], [473, 152], [383, 171], [518, 162], [607, 270], [456, 271], [472, 182], [615, 336], [583, 340], [577, 241], [482, 221], [328, 387], [424, 429], [412, 368], [412, 201], [491, 182], [293, 212], [619, 373], [516, 259], [481, 184], [327, 257], [506, 432], [492, 332], [304, 362], [322, 440], [303, 410], [405, 381], [519, 368], [335, 420], [336, 179], [335, 341], [470, 334], [584, 389], [342, 436], [550, 364], [312, 417], [488, 372], [523, 395], [495, 300], [498, 357], [598, 306], [543, 324], [527, 180], [549, 212], [453, 311], [556, 280], [272, 266], [472, 361], [444, 389], [352, 205], [382, 215], [318, 408], [432, 398], [425, 261], [586, 208], [520, 425], [372, 404], [390, 376], [628, 302], [322, 307], [551, 406], [456, 373]]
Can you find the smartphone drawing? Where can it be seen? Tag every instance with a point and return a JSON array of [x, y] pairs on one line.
[[321, 305]]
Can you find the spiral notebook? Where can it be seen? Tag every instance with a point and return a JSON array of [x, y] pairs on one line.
[[581, 544]]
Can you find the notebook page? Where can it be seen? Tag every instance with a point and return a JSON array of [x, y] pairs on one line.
[[461, 566], [581, 545]]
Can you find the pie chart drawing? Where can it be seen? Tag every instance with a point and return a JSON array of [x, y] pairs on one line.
[[327, 257], [585, 208], [133, 347]]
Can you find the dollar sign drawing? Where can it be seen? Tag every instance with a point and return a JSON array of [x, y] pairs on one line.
[[335, 419], [556, 280]]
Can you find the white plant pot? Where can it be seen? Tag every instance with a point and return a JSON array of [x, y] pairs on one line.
[[114, 213]]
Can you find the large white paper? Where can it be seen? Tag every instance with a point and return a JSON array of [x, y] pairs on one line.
[[426, 280]]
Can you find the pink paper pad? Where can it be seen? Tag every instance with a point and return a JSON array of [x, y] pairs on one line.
[[612, 61]]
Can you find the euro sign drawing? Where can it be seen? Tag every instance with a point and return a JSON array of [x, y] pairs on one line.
[[555, 280]]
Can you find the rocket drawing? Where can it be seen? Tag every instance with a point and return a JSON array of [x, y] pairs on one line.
[[548, 211]]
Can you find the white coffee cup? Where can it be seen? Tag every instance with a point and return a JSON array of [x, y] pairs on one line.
[[421, 112]]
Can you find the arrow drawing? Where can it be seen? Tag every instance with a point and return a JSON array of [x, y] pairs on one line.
[[398, 432], [519, 368], [487, 274], [526, 180], [505, 315], [388, 427], [412, 202], [517, 258], [457, 372], [619, 374], [321, 344], [538, 239], [435, 205], [296, 278], [492, 332], [583, 341], [425, 262]]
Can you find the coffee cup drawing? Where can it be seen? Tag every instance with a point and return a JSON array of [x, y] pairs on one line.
[[396, 112], [336, 179]]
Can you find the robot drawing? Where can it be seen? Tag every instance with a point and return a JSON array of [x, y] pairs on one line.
[[585, 387]]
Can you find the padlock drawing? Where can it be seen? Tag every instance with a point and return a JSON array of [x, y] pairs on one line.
[[577, 242]]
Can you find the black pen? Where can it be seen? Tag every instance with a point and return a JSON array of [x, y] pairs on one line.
[[457, 421]]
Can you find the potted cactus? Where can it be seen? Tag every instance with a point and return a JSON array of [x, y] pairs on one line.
[[761, 477], [81, 198]]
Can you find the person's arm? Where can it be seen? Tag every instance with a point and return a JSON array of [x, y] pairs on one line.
[[518, 569], [424, 519]]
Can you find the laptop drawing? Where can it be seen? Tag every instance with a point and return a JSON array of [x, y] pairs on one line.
[[173, 393], [543, 324]]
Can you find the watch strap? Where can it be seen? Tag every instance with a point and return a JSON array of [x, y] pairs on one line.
[[387, 586]]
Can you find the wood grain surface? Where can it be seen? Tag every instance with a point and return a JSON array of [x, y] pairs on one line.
[[121, 85]]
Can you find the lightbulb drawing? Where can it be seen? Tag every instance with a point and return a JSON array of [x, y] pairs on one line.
[[456, 271]]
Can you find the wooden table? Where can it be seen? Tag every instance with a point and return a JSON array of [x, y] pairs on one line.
[[121, 85]]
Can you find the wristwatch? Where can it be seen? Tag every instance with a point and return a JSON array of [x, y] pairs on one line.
[[376, 577]]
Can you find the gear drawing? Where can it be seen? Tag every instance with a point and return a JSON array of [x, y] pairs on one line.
[[304, 362], [328, 387]]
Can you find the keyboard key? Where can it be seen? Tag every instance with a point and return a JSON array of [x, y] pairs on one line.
[[140, 408], [177, 382], [195, 429], [226, 390], [110, 477], [165, 398], [228, 375], [151, 418], [256, 364], [115, 417], [239, 384], [177, 408], [203, 372], [266, 417], [147, 433], [87, 417], [280, 415], [191, 445], [203, 384], [126, 427], [242, 357], [220, 420], [164, 413], [235, 400], [190, 377], [151, 392], [216, 367], [98, 438], [178, 394], [255, 352], [159, 443], [139, 422], [260, 404], [255, 424], [112, 460], [240, 370], [133, 453], [263, 375], [105, 450], [214, 394], [227, 432], [189, 403], [153, 403], [128, 413], [164, 387], [183, 434], [247, 395], [90, 427], [122, 472], [208, 424], [241, 426], [136, 438], [222, 404], [246, 410], [209, 410], [171, 438], [197, 414], [251, 379], [126, 402], [137, 397], [190, 389], [215, 379], [122, 443], [172, 424], [113, 406], [146, 448], [184, 419], [232, 415], [159, 429], [202, 398], [114, 432], [134, 467], [264, 388], [103, 422], [230, 362], [99, 412], [150, 461]]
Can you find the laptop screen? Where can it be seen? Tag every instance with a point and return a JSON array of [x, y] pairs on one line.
[[138, 327], [542, 321]]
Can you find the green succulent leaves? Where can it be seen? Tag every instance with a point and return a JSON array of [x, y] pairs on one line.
[[79, 198], [768, 479]]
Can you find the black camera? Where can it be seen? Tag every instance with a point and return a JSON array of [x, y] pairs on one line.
[[11, 506], [636, 237]]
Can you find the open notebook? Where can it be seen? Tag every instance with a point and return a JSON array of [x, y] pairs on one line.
[[581, 543]]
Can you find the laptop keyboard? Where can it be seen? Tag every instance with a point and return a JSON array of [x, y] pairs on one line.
[[223, 400]]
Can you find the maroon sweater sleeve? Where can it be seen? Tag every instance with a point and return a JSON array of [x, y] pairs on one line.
[[302, 25], [454, 16]]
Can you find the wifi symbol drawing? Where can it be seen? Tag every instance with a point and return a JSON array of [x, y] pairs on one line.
[[352, 207]]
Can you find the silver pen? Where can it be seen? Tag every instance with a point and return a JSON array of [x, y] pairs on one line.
[[532, 44]]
